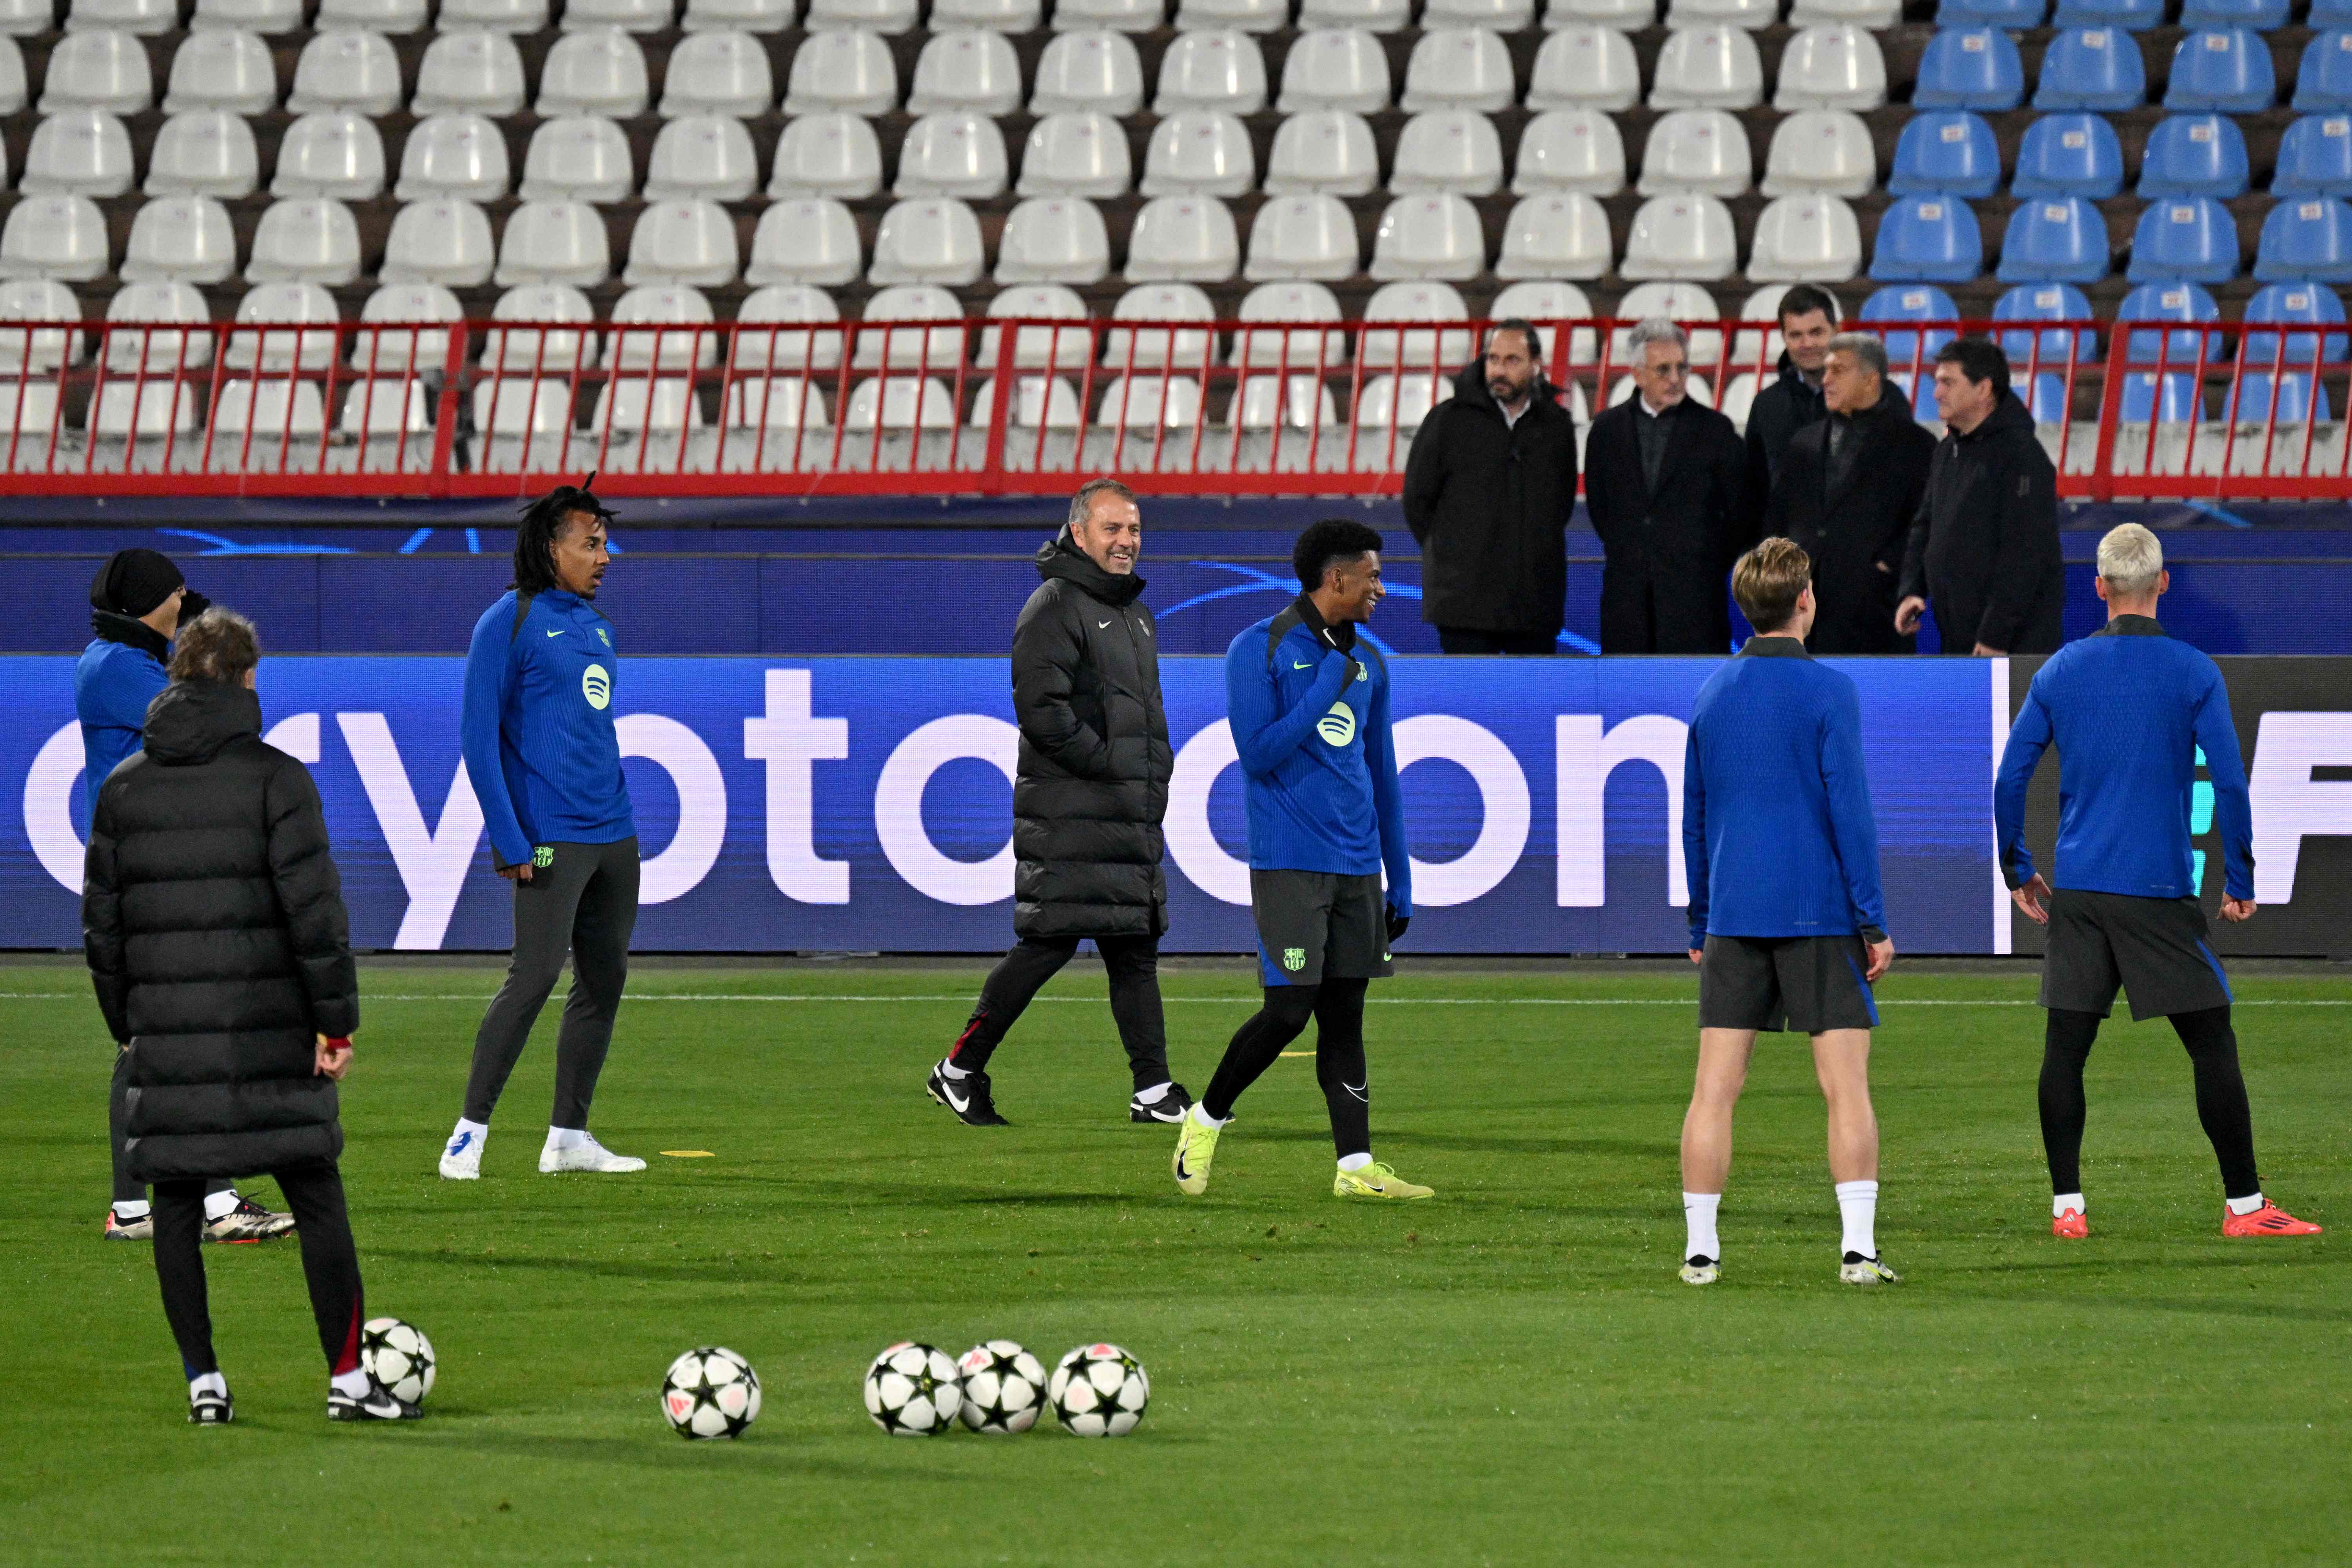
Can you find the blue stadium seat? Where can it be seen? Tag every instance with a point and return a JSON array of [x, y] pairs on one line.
[[2183, 302], [1922, 389], [2177, 402], [2306, 238], [1970, 68], [2227, 69], [2262, 16], [1928, 239], [1946, 150], [2323, 83], [2195, 155], [1910, 303], [2329, 13], [2046, 397], [2252, 400], [2299, 302], [2315, 157], [2188, 238], [2046, 302], [2054, 239], [2131, 16], [2069, 155], [2011, 14], [2092, 67]]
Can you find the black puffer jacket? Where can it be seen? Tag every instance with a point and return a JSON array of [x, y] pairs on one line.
[[212, 919], [1787, 405], [1092, 786], [1489, 504], [1984, 548]]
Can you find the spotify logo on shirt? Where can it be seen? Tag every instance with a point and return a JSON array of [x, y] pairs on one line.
[[596, 686], [1339, 726]]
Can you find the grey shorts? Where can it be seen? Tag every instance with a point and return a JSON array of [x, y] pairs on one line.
[[2153, 949], [1804, 984], [1318, 925]]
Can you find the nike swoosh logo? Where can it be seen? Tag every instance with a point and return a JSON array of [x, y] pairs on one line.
[[1298, 666], [1180, 1171], [958, 1106], [1101, 625], [1358, 1091], [458, 1145], [557, 633]]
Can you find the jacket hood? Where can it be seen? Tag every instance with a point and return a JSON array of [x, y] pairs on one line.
[[1470, 386], [193, 720], [121, 628], [2010, 416], [1060, 557]]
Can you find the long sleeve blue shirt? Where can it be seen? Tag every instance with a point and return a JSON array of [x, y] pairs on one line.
[[2128, 710], [113, 684], [1778, 836], [538, 729], [1316, 749]]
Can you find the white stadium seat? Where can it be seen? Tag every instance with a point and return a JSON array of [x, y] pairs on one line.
[[266, 17], [969, 68], [932, 240], [210, 153], [31, 19], [1449, 149], [1323, 152], [1871, 13], [1624, 16], [956, 154], [127, 411], [1311, 237], [269, 410], [1093, 71], [292, 304], [910, 348], [1700, 150], [38, 350], [13, 90], [850, 72], [1564, 235], [627, 405], [388, 351], [1054, 239], [1713, 67], [1073, 154], [900, 403], [1199, 153], [528, 351], [358, 71], [141, 342], [1120, 15], [384, 407], [726, 73], [1038, 348], [1289, 302], [629, 15], [1035, 400], [1681, 237], [603, 72], [223, 71], [1696, 387], [1752, 15], [1416, 301], [1494, 15], [470, 71], [1838, 67], [754, 16], [1154, 349], [1806, 240], [783, 403], [395, 16], [305, 239], [1371, 16], [332, 152], [442, 241], [1827, 150], [1585, 67], [185, 239], [831, 155], [538, 412], [682, 244], [1465, 69], [1340, 69], [702, 156], [884, 16], [1265, 403], [1436, 236], [104, 71], [554, 242], [1180, 239], [1221, 70], [493, 16], [1749, 347], [1547, 302], [805, 239], [81, 153], [796, 302], [1001, 15], [144, 18], [1143, 401], [1569, 150], [580, 158], [1244, 16], [693, 347], [1402, 401]]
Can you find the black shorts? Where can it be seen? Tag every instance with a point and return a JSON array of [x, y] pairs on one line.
[[2154, 948], [1805, 983], [1314, 926]]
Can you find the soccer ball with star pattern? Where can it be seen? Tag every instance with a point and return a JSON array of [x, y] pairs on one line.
[[1004, 1387], [398, 1356], [710, 1392], [913, 1390], [1098, 1391]]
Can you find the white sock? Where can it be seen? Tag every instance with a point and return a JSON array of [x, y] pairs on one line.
[[355, 1383], [1698, 1225], [211, 1382], [1202, 1117], [218, 1205], [2064, 1201], [480, 1130], [130, 1209], [2245, 1205], [566, 1137], [1154, 1095], [1858, 1203], [1354, 1162], [949, 1070]]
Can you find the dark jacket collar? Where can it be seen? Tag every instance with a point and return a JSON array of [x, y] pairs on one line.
[[1795, 379], [1060, 558], [1341, 636], [1470, 387], [2008, 415], [2133, 626], [112, 627], [1778, 645], [193, 720]]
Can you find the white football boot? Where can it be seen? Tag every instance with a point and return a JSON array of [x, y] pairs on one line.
[[461, 1157], [583, 1154]]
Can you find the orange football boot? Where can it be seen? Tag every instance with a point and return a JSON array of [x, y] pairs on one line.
[[2070, 1225], [2268, 1220]]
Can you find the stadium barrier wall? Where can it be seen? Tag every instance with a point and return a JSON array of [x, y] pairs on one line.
[[864, 804], [1019, 406]]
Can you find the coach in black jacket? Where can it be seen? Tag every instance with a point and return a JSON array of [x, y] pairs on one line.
[[1665, 481], [1849, 487], [213, 920], [1089, 798], [1984, 545], [1489, 491], [1793, 399]]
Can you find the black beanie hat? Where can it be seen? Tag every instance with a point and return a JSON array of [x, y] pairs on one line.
[[134, 581]]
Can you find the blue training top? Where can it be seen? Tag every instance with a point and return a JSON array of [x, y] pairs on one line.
[[538, 726], [1778, 837], [2129, 708], [1316, 751], [113, 684]]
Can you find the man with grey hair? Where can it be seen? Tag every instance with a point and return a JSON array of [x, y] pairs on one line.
[[1088, 794], [1665, 485], [1848, 487], [2130, 711]]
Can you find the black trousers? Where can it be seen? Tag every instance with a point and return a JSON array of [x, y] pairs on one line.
[[2221, 1106], [118, 1129], [1133, 964], [1679, 611], [1457, 639], [330, 1264], [1335, 1007], [584, 903]]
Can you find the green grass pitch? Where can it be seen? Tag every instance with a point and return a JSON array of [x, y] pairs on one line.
[[1510, 1373]]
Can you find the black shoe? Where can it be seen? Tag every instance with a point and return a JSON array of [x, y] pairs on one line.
[[210, 1410], [376, 1405], [968, 1097], [1169, 1109]]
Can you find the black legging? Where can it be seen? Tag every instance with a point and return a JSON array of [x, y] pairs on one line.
[[1337, 1009], [1132, 963], [2221, 1095], [330, 1264]]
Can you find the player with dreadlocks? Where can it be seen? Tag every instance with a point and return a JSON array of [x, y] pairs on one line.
[[545, 760]]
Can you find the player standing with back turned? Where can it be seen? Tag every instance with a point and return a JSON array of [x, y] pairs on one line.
[[1309, 701]]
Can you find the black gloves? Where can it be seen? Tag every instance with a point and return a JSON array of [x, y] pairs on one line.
[[1397, 923]]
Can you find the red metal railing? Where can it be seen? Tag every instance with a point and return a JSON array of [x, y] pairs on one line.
[[1011, 406]]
